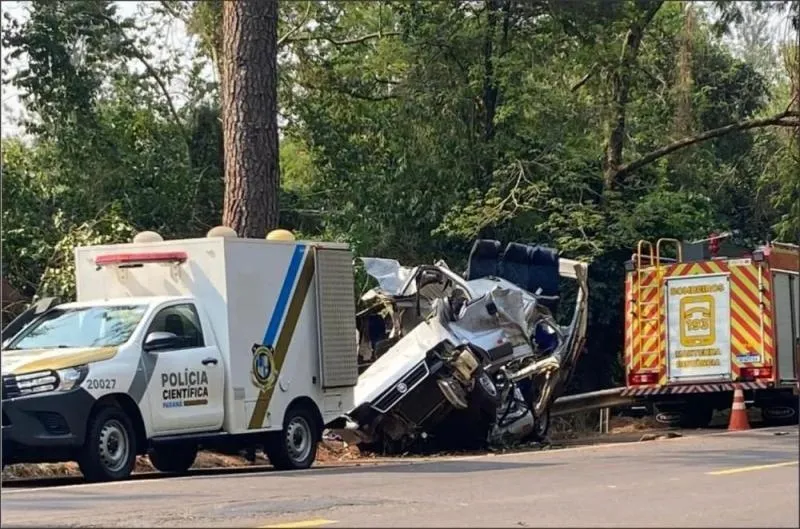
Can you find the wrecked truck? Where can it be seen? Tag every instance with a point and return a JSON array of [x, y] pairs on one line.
[[473, 359]]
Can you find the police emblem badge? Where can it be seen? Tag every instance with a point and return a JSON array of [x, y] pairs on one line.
[[263, 371]]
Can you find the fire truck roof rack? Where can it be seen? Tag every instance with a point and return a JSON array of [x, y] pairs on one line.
[[665, 260], [647, 254]]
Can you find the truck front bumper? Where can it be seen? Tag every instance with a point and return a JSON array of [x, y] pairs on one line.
[[45, 428]]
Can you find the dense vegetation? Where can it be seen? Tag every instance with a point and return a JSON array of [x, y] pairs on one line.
[[410, 128]]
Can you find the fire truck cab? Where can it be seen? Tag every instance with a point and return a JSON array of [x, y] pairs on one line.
[[704, 318]]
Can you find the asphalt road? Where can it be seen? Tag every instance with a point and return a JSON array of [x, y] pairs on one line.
[[744, 479]]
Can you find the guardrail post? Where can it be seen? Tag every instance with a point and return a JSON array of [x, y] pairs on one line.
[[605, 415]]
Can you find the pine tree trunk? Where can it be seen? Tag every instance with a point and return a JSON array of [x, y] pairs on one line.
[[249, 116]]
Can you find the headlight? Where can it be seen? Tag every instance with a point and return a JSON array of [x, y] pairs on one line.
[[44, 381], [71, 377]]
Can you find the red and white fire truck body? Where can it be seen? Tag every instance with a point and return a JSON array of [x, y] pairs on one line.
[[697, 325]]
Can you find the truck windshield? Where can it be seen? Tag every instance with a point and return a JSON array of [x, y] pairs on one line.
[[81, 327]]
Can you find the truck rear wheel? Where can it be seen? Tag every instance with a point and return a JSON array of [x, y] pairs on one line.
[[109, 451], [294, 447], [173, 458], [691, 415]]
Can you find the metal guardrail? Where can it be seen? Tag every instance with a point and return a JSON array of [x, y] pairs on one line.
[[604, 398]]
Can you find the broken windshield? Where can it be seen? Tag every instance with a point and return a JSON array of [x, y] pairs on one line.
[[106, 326]]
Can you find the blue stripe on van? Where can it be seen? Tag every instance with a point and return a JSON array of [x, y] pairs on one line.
[[283, 298]]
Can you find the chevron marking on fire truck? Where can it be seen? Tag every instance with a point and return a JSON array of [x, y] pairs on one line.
[[642, 391], [628, 341], [642, 343], [746, 333]]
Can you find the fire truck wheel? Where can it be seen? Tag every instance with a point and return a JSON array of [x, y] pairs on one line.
[[294, 447], [782, 413], [109, 451], [666, 415], [692, 415], [173, 458]]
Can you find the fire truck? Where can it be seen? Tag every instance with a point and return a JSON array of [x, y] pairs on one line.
[[704, 318]]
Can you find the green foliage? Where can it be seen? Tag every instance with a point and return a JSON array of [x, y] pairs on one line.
[[29, 206], [59, 276], [411, 129]]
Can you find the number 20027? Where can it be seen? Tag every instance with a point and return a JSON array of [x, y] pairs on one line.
[[101, 383]]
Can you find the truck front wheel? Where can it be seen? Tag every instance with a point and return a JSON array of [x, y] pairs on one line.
[[294, 447], [109, 451], [173, 458]]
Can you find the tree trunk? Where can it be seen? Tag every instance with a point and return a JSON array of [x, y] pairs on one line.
[[249, 116], [489, 96], [620, 89]]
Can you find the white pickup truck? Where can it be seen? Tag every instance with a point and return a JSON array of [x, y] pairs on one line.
[[217, 342]]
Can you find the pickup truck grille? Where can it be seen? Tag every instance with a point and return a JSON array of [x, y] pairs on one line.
[[10, 389], [393, 395]]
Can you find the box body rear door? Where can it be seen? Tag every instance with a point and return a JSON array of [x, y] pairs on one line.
[[698, 328]]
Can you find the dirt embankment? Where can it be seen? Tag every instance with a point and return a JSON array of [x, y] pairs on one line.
[[334, 451], [328, 452]]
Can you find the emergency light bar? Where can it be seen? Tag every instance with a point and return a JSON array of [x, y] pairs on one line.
[[133, 259]]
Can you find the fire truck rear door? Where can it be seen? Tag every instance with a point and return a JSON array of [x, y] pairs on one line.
[[698, 328]]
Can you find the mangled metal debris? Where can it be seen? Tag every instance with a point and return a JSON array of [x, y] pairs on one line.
[[474, 359]]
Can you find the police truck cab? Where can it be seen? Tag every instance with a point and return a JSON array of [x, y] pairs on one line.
[[218, 342]]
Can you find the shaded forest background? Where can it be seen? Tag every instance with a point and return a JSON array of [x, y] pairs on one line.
[[408, 129]]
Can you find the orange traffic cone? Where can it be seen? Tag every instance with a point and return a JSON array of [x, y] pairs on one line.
[[738, 412]]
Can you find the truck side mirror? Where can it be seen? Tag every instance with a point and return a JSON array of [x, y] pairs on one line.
[[159, 341]]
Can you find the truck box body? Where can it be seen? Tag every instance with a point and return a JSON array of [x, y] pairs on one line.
[[295, 299], [705, 325]]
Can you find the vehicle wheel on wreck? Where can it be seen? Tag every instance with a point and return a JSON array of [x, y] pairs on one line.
[[530, 391], [485, 396], [541, 427], [468, 428]]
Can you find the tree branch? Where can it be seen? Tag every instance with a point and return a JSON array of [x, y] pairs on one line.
[[150, 70], [585, 78], [795, 99], [357, 40], [154, 74], [784, 119], [170, 8], [295, 29], [383, 80]]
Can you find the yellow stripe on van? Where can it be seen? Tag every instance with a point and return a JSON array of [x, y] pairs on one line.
[[285, 337]]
